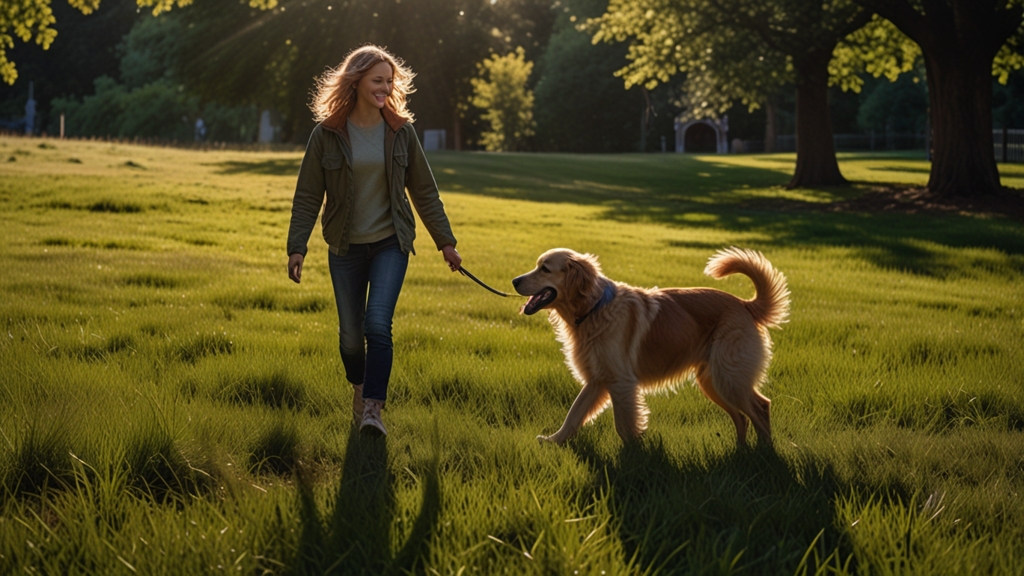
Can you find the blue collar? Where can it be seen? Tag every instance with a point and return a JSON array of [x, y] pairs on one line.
[[608, 296]]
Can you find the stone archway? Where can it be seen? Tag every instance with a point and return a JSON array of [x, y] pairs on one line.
[[707, 136]]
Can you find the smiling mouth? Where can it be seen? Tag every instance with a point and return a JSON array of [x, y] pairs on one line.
[[538, 301]]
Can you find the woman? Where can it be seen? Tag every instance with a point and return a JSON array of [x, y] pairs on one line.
[[364, 155]]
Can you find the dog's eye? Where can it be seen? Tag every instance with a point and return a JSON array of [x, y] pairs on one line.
[[545, 270]]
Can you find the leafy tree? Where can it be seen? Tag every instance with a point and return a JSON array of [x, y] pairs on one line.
[[501, 90], [150, 51], [742, 50], [156, 110], [962, 43], [580, 104], [33, 20], [149, 102], [527, 23], [898, 107], [85, 50], [239, 55], [878, 48], [266, 53]]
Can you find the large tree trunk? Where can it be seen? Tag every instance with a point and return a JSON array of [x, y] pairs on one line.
[[959, 40], [960, 95], [815, 150]]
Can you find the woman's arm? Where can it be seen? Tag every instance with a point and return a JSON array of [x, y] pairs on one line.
[[424, 195], [309, 197]]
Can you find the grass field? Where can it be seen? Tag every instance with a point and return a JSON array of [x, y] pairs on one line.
[[170, 403]]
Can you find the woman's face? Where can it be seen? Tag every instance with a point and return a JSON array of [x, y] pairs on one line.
[[375, 87]]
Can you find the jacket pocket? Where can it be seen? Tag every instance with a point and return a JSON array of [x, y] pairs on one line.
[[402, 159], [332, 164], [331, 161]]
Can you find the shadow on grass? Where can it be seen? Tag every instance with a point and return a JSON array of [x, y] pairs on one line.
[[275, 167], [701, 193], [900, 169], [356, 537], [743, 510]]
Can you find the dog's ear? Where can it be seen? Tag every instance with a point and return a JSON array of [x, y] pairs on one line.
[[581, 272]]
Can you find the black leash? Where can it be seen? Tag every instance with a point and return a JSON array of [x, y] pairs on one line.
[[466, 273]]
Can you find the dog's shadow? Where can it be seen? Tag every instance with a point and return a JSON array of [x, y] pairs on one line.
[[690, 513], [355, 537]]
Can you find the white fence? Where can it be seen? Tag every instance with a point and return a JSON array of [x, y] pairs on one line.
[[1009, 145]]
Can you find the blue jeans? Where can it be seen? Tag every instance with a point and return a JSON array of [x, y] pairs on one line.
[[365, 321]]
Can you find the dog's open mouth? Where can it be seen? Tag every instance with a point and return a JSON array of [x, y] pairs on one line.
[[539, 300]]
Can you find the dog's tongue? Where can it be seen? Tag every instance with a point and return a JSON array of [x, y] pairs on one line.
[[528, 307], [537, 301]]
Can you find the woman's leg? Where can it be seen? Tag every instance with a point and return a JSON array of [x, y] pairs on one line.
[[349, 275], [388, 264]]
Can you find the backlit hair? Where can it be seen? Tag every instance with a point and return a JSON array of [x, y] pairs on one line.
[[335, 90]]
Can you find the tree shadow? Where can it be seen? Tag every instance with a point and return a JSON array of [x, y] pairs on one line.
[[723, 513], [657, 180], [356, 537], [699, 193], [274, 167]]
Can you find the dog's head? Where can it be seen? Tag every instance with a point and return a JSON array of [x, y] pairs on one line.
[[563, 280]]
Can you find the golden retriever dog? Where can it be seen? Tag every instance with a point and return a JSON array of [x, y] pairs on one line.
[[621, 341]]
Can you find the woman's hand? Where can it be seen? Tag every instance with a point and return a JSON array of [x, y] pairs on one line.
[[451, 256], [295, 267]]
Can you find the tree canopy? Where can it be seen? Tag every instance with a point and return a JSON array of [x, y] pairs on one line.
[[33, 20], [721, 63], [740, 50]]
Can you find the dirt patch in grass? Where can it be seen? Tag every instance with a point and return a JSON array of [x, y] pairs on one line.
[[913, 200]]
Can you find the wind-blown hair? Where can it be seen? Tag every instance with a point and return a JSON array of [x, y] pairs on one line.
[[335, 90]]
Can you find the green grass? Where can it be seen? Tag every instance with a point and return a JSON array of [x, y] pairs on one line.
[[171, 403]]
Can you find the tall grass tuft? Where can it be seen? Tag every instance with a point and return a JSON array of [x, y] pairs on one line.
[[155, 465], [202, 345], [40, 458], [151, 280], [274, 390], [115, 207], [263, 300], [278, 450]]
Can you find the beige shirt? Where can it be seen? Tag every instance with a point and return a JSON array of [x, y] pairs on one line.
[[371, 217]]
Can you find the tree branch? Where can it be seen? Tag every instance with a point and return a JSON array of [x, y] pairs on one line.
[[1007, 21], [903, 15]]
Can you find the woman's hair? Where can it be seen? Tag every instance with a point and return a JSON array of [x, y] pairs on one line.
[[335, 90]]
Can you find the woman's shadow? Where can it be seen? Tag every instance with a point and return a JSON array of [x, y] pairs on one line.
[[355, 534], [687, 511]]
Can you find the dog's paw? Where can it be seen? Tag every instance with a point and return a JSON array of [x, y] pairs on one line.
[[550, 439]]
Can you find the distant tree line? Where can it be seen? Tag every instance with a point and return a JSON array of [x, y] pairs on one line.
[[579, 75]]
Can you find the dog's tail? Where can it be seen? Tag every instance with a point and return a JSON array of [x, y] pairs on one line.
[[770, 306]]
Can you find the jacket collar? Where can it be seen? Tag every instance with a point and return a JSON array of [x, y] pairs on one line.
[[337, 122]]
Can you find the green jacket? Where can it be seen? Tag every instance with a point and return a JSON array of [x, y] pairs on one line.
[[327, 168]]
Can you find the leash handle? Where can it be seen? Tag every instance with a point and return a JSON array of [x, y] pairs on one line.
[[466, 273]]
